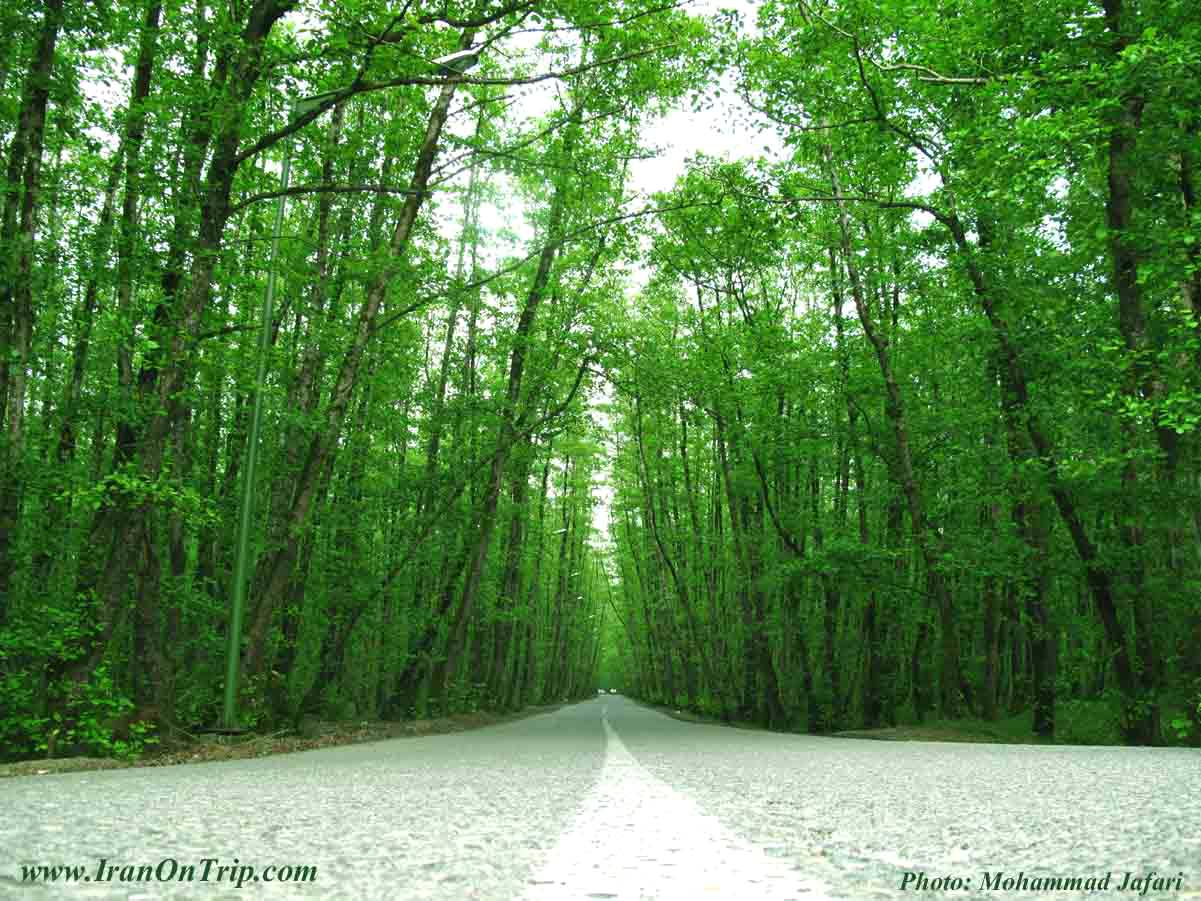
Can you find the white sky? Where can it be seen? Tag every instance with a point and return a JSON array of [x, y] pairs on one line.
[[727, 129]]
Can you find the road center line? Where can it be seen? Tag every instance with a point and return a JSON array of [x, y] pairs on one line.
[[638, 838]]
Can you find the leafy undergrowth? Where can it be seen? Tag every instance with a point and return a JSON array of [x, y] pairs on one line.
[[318, 734], [945, 730], [1013, 730], [1077, 722]]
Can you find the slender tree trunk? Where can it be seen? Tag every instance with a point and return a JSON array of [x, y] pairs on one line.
[[1142, 380], [951, 682], [18, 234], [275, 571], [511, 582], [1140, 720], [678, 579], [485, 520]]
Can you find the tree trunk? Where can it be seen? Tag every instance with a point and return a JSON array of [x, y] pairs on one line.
[[18, 233], [274, 572], [951, 682], [485, 519]]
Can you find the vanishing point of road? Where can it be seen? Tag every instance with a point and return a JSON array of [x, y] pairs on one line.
[[609, 800]]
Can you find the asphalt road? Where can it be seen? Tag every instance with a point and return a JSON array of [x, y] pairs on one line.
[[607, 799]]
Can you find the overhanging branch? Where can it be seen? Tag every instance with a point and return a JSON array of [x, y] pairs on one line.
[[319, 189], [364, 87]]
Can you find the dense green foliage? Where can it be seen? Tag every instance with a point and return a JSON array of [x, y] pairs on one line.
[[902, 422], [928, 440], [423, 489]]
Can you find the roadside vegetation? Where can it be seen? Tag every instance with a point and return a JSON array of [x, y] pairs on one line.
[[894, 423], [908, 421]]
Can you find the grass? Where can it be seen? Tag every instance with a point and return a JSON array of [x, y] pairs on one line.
[[324, 734], [1077, 722]]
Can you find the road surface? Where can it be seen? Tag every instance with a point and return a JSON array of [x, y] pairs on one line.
[[607, 799]]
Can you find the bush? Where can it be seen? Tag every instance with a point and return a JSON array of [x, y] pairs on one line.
[[1081, 722], [1185, 727], [22, 732], [96, 723]]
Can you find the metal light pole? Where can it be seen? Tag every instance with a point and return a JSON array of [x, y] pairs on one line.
[[242, 561]]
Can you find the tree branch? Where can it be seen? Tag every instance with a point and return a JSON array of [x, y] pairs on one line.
[[931, 77], [512, 267], [320, 189], [938, 214], [559, 408], [481, 20], [363, 87], [221, 332]]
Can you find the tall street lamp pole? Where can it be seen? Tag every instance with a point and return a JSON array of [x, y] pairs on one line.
[[242, 560]]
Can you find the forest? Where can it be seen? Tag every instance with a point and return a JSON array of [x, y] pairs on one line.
[[345, 372]]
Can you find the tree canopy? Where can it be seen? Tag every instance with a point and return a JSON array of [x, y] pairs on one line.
[[900, 422]]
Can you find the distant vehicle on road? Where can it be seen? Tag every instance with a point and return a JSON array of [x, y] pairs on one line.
[[612, 691]]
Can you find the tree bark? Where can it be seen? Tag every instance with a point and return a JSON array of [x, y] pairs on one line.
[[274, 573], [18, 233], [951, 682], [485, 519]]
